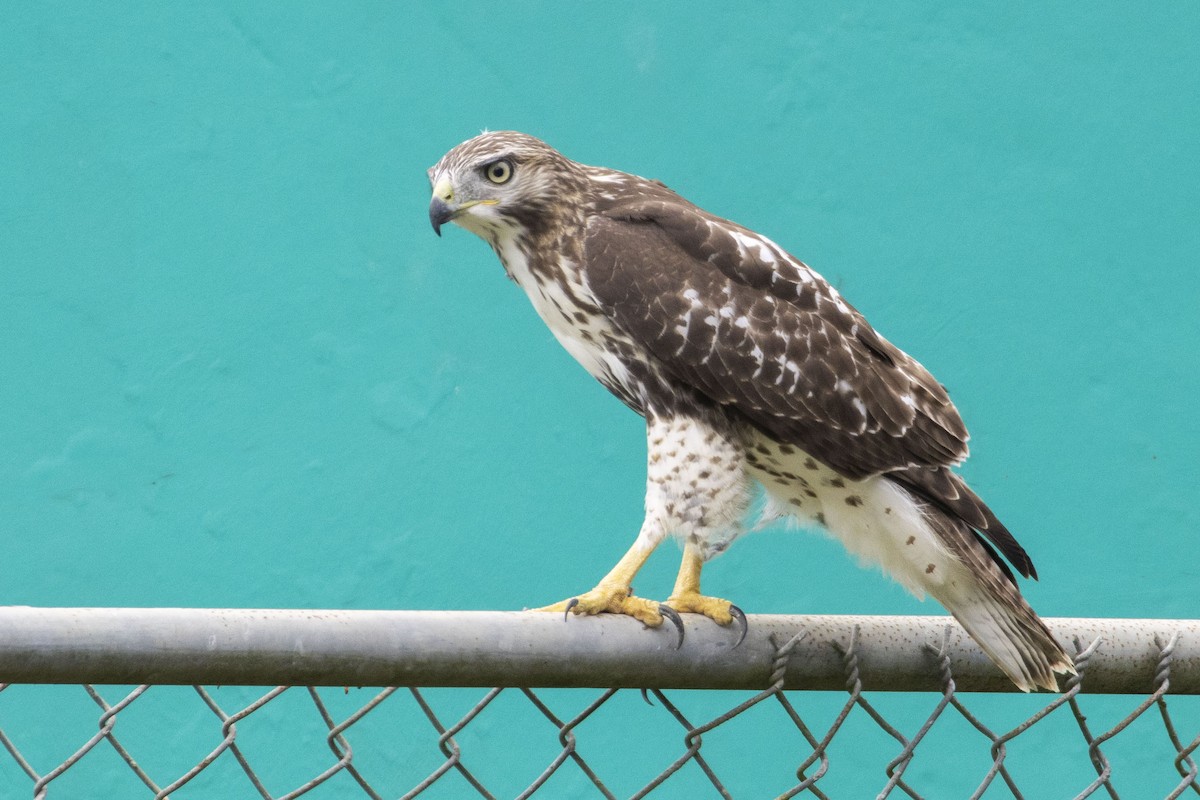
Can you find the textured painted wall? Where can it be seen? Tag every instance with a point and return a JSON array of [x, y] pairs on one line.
[[238, 369]]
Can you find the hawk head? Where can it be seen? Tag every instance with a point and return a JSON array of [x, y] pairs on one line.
[[502, 182]]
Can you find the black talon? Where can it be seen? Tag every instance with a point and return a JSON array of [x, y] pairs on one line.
[[574, 601], [739, 617], [646, 697], [676, 620]]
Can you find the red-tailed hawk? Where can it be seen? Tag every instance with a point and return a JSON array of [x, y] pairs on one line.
[[750, 370]]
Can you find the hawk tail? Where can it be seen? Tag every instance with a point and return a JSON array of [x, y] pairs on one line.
[[991, 609], [947, 490]]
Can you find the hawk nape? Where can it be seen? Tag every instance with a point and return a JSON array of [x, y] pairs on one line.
[[749, 369]]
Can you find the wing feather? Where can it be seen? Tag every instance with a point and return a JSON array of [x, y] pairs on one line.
[[759, 332]]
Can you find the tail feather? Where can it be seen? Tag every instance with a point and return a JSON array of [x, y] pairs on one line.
[[1019, 643], [947, 490], [994, 613], [933, 535]]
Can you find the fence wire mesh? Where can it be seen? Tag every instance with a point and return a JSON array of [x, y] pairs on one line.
[[515, 741]]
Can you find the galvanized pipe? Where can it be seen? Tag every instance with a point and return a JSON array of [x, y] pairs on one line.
[[533, 649]]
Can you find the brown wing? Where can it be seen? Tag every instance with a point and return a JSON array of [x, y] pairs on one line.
[[731, 314]]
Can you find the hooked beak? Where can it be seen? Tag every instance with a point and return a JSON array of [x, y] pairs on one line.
[[440, 209], [440, 212]]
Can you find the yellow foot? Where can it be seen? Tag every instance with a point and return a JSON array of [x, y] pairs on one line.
[[719, 611], [610, 600], [618, 600]]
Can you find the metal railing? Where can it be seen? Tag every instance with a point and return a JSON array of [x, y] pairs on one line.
[[824, 679]]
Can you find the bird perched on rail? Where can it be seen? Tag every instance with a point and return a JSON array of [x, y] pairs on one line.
[[750, 369]]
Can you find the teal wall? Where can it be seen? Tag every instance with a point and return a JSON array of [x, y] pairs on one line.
[[238, 369]]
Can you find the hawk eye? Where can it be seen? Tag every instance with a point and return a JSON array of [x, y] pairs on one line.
[[498, 171]]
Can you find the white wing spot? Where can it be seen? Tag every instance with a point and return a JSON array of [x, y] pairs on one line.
[[682, 330], [794, 368], [783, 363]]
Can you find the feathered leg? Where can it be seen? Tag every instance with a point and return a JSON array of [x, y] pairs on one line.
[[696, 490]]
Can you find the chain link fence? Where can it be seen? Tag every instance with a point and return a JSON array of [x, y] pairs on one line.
[[810, 707]]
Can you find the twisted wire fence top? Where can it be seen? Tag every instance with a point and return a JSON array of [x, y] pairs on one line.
[[515, 655]]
